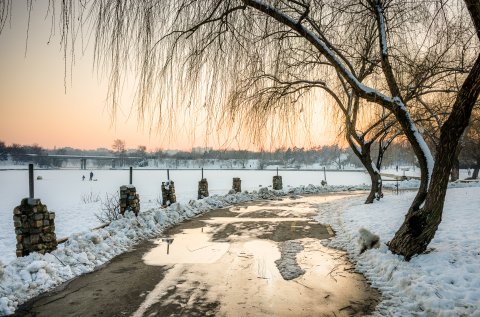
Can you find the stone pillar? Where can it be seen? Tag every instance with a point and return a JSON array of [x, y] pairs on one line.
[[34, 227], [202, 188], [237, 184], [277, 182], [129, 199], [168, 193]]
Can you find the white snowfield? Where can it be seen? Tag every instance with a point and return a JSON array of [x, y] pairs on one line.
[[76, 202], [444, 282]]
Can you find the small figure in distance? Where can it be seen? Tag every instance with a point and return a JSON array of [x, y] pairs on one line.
[[91, 175], [83, 177], [397, 168]]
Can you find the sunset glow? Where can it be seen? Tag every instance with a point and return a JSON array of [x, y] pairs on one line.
[[37, 107]]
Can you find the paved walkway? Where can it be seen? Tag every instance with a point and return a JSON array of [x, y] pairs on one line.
[[229, 262]]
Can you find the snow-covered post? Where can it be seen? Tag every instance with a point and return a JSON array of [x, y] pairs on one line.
[[277, 182], [129, 199], [237, 184], [202, 187]]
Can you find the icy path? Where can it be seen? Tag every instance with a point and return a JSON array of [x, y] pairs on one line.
[[26, 277]]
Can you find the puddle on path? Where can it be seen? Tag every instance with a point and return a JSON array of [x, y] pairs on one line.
[[191, 246], [224, 265]]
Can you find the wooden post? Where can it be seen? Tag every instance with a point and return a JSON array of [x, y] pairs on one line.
[[324, 174], [131, 175], [277, 170], [202, 172], [30, 180], [168, 174]]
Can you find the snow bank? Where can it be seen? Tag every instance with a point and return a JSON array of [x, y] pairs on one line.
[[24, 278], [444, 282]]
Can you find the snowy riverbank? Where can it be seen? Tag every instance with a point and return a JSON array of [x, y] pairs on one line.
[[444, 282]]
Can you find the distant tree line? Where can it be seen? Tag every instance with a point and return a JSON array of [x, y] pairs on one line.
[[331, 155]]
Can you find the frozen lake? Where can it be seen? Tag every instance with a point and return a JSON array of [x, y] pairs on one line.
[[64, 192]]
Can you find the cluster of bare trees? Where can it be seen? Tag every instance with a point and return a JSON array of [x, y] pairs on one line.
[[391, 67]]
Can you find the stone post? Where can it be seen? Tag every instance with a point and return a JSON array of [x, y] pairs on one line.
[[34, 227], [129, 199], [277, 182], [168, 193], [237, 184], [202, 188]]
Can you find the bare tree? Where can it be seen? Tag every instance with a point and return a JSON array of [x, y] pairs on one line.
[[120, 149], [196, 52]]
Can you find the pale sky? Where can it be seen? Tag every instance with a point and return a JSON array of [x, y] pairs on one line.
[[35, 108]]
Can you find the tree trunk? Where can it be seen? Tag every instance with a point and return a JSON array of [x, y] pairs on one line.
[[410, 131], [363, 154], [376, 188], [455, 173], [420, 226], [373, 188], [476, 169]]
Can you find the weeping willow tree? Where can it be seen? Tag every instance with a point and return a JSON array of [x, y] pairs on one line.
[[248, 61]]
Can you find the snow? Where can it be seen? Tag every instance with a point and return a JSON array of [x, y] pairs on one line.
[[383, 33], [76, 202], [444, 282], [287, 264], [26, 277], [374, 167]]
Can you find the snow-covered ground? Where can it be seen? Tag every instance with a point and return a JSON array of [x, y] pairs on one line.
[[444, 282], [29, 276], [415, 171], [76, 202]]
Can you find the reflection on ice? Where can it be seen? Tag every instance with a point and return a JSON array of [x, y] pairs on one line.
[[264, 254], [240, 277], [192, 246]]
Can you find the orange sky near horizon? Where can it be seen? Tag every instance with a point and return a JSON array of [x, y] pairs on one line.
[[36, 109]]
